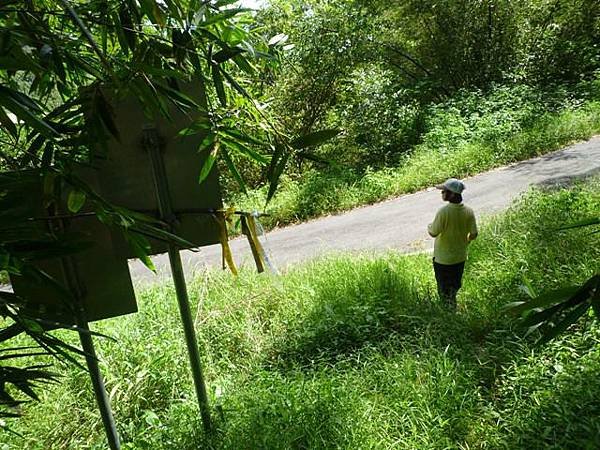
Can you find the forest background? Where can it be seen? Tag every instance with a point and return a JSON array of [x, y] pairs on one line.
[[420, 91]]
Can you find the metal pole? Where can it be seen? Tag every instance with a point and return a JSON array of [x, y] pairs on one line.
[[151, 144], [99, 390], [87, 344]]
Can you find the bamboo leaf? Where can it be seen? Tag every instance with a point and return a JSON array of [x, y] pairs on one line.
[[541, 316], [76, 200], [222, 16], [226, 54], [241, 148], [177, 96], [236, 85], [313, 139], [23, 112], [141, 248], [7, 123], [239, 136], [243, 64], [209, 161], [569, 319], [278, 169], [218, 82], [233, 169], [544, 299]]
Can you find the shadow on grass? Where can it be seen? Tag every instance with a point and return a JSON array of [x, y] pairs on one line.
[[564, 415], [283, 419], [384, 305]]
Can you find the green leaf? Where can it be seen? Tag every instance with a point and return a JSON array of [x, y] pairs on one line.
[[163, 235], [569, 319], [277, 167], [220, 3], [541, 316], [33, 326], [313, 139], [226, 54], [177, 96], [239, 136], [236, 85], [207, 141], [528, 288], [222, 16], [174, 8], [218, 82], [8, 99], [544, 299], [76, 200], [240, 148], [209, 162], [141, 248], [7, 123], [243, 64], [153, 12], [233, 169]]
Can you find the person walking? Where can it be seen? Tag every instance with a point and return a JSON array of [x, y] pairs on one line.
[[453, 228]]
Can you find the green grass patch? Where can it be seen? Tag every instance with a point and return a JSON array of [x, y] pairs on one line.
[[354, 352]]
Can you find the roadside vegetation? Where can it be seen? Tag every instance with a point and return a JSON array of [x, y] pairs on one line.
[[420, 92], [470, 134], [355, 352]]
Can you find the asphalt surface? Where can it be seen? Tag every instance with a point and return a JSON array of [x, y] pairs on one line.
[[399, 224]]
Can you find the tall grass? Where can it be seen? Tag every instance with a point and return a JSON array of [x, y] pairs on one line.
[[356, 353], [455, 146]]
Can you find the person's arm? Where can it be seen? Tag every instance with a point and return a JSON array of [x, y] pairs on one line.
[[437, 226], [473, 232]]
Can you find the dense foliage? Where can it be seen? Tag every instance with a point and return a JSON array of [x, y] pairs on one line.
[[375, 69]]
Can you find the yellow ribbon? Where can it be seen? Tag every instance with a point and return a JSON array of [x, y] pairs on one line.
[[249, 229], [223, 218]]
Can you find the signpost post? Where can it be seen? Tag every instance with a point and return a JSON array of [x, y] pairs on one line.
[[152, 146]]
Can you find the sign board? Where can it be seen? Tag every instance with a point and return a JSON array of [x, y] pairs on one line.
[[124, 176], [104, 277], [125, 173]]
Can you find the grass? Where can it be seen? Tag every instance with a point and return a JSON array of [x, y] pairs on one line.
[[356, 353], [489, 142]]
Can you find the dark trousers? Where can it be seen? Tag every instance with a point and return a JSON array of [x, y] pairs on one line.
[[449, 281]]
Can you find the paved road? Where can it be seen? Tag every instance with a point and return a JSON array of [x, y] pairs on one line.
[[398, 224]]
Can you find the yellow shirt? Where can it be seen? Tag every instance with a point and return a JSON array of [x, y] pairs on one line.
[[451, 227]]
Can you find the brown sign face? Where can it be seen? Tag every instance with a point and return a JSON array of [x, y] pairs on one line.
[[126, 176], [99, 275]]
